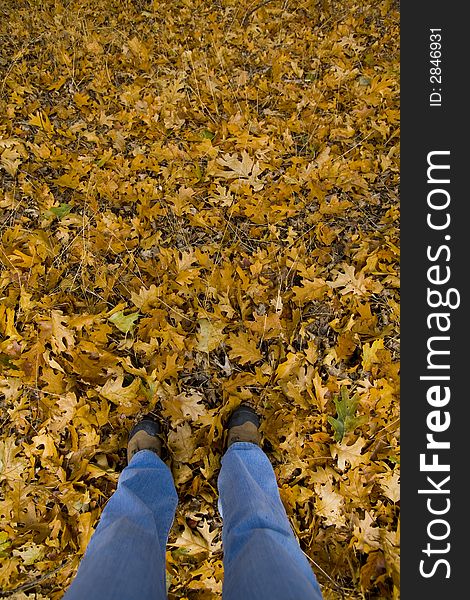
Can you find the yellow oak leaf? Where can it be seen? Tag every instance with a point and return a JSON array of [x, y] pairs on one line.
[[290, 365], [120, 395], [349, 454], [349, 281], [41, 120], [182, 443], [139, 49], [81, 99], [190, 542], [370, 354], [10, 160], [209, 537], [7, 322], [390, 484], [48, 443], [68, 180], [366, 534], [9, 571], [30, 553], [167, 369], [11, 465], [268, 325], [85, 530], [62, 338], [310, 290], [330, 504], [243, 349], [210, 335], [245, 170], [293, 495], [185, 406], [146, 299], [321, 392]]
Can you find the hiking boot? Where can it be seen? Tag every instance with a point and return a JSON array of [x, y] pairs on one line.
[[243, 426], [145, 435]]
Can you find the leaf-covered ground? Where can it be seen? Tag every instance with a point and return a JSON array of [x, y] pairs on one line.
[[199, 206]]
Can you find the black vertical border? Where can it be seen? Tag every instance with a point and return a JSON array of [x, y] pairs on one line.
[[424, 129]]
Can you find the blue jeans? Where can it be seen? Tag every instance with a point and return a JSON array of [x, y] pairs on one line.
[[125, 558]]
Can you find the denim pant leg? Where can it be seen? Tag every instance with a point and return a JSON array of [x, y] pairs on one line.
[[125, 557], [262, 558]]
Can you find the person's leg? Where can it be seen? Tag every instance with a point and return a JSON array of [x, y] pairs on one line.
[[125, 558], [262, 558]]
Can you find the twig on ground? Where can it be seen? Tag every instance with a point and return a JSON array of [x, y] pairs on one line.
[[29, 585]]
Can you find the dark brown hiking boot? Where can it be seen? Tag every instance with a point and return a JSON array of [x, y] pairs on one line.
[[145, 435], [243, 426]]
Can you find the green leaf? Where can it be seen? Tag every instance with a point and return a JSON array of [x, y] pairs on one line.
[[346, 419], [124, 323], [5, 543], [59, 211], [207, 135]]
